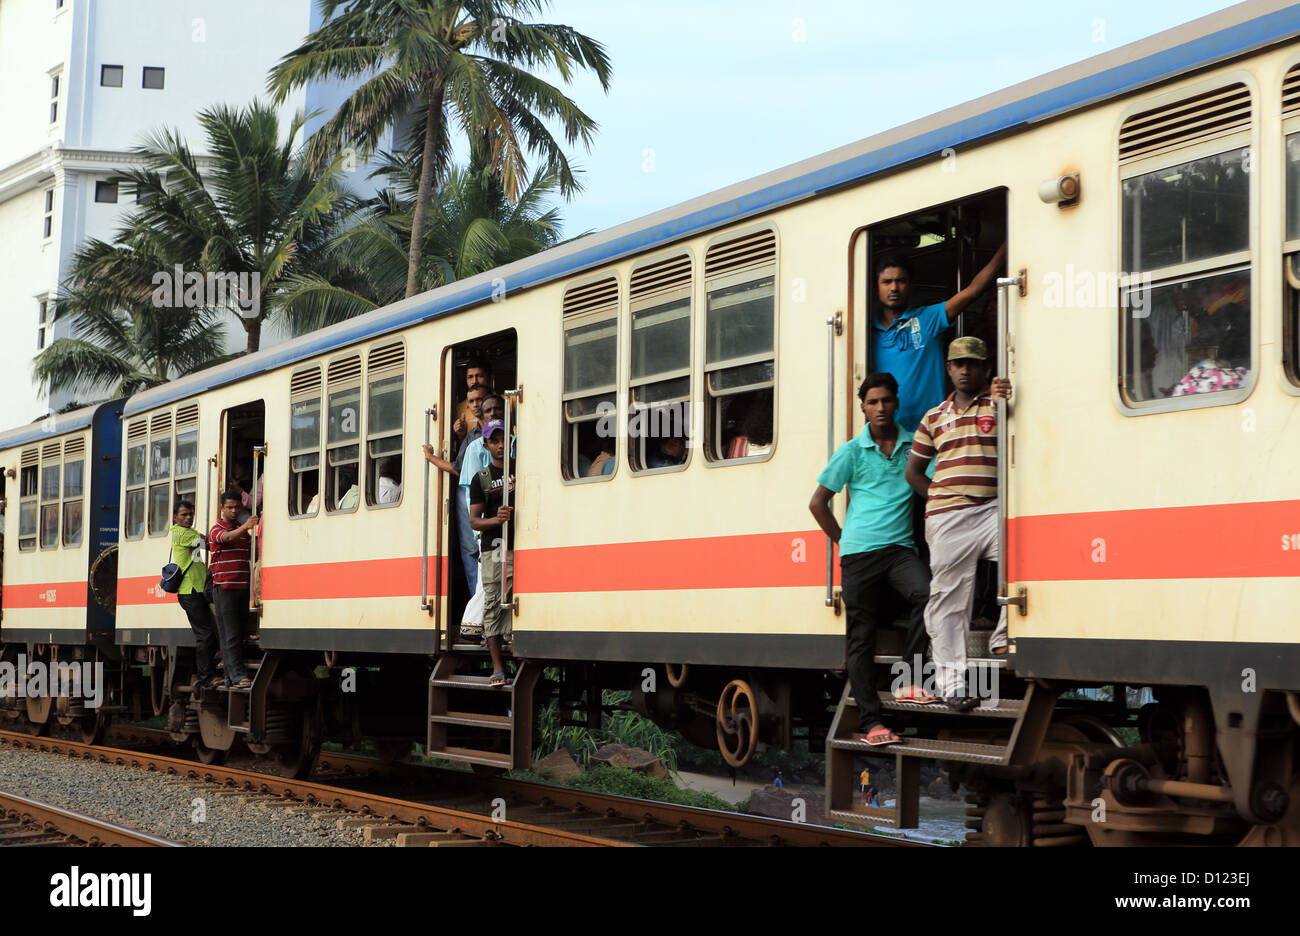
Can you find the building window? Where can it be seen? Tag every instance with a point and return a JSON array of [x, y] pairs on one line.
[[1185, 294], [54, 98], [47, 226], [29, 502], [44, 322], [385, 396], [740, 347], [110, 76], [590, 428], [106, 192], [153, 78]]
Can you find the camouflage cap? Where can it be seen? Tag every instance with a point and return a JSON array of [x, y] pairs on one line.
[[968, 347]]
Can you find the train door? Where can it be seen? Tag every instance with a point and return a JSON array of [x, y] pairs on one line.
[[942, 248], [241, 466], [492, 360]]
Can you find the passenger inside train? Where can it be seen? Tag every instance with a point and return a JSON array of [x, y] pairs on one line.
[[490, 517]]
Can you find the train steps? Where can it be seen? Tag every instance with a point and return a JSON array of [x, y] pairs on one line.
[[472, 722], [1001, 731]]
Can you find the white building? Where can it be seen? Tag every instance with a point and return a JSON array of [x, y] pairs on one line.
[[81, 82]]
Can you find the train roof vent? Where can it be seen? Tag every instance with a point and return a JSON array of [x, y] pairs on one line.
[[660, 276], [50, 450], [74, 447], [31, 457], [137, 430], [388, 357], [1195, 119], [345, 369], [1291, 93], [161, 422], [187, 417], [591, 297], [305, 381], [741, 253]]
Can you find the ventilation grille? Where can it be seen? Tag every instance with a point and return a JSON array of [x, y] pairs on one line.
[[50, 450], [31, 457], [672, 273], [757, 249], [590, 297], [1291, 93], [187, 417], [137, 430], [160, 423], [387, 358], [345, 370], [74, 448], [1196, 119], [307, 381]]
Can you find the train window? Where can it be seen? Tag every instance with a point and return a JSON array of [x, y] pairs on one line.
[[304, 443], [1185, 296], [136, 476], [28, 503], [659, 295], [160, 476], [740, 347], [50, 474], [74, 465], [185, 464], [343, 436], [384, 424], [1292, 260], [590, 427]]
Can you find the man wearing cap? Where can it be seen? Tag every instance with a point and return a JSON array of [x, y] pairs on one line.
[[961, 508], [488, 514], [905, 341]]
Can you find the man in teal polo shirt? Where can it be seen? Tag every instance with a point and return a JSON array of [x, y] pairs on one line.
[[905, 340], [876, 547]]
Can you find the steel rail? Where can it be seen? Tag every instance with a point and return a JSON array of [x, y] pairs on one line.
[[74, 824]]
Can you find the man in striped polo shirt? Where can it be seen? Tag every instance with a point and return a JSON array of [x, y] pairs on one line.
[[228, 543], [961, 508]]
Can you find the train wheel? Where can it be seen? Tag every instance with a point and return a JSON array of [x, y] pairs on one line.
[[38, 714], [296, 761], [93, 728], [737, 723], [207, 755]]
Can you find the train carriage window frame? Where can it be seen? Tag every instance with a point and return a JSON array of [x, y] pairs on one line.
[[583, 406], [385, 362], [51, 491], [137, 440], [29, 473], [1195, 273], [185, 483], [339, 454], [717, 401], [647, 420], [73, 499], [1290, 179], [158, 497], [306, 459]]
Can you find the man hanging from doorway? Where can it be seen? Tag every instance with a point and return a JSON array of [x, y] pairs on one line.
[[488, 514], [905, 340]]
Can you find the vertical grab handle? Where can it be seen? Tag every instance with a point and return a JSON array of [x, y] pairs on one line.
[[259, 452], [833, 328], [510, 397], [1004, 284], [207, 506], [424, 527]]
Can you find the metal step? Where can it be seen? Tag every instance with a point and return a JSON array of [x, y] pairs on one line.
[[988, 708], [866, 815], [468, 682], [471, 756], [474, 720], [965, 751]]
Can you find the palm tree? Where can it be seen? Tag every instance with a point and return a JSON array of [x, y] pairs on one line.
[[434, 59], [257, 209], [472, 228], [122, 342]]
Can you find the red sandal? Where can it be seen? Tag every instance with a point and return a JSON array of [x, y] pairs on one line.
[[878, 736]]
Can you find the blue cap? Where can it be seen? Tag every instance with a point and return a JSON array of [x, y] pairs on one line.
[[492, 426]]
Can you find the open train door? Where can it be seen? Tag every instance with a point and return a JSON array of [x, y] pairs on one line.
[[241, 465]]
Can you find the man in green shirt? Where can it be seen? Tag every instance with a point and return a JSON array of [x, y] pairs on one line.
[[876, 549], [190, 596]]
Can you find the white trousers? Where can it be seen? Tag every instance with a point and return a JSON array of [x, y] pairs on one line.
[[958, 540]]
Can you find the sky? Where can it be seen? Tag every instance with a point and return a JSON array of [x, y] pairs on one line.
[[706, 94]]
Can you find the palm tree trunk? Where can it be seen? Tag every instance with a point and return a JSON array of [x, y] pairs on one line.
[[432, 127], [254, 329]]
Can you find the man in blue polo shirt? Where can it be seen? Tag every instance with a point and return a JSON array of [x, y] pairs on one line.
[[905, 341], [876, 547]]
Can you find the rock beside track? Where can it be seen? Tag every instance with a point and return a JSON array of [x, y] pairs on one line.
[[182, 810], [633, 758]]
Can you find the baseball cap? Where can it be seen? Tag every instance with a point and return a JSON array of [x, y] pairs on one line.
[[493, 425], [968, 346]]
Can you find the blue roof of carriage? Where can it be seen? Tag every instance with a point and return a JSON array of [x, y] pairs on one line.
[[56, 425], [1223, 35]]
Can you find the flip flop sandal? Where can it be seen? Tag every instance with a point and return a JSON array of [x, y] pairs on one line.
[[961, 703], [498, 679], [878, 736], [914, 695]]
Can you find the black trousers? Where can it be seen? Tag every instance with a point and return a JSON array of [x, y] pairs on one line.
[[205, 634], [863, 580], [232, 619]]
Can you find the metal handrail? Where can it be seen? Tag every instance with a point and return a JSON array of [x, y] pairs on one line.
[[207, 506], [830, 447], [1004, 365], [259, 452], [424, 527], [509, 396]]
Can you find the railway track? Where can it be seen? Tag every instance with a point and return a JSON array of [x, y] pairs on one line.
[[467, 809], [26, 822]]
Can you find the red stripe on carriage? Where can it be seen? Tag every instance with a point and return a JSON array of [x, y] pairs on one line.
[[46, 595]]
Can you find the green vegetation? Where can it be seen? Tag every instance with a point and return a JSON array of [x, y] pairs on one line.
[[619, 781], [621, 726]]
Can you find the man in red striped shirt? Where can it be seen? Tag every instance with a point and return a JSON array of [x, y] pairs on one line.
[[961, 508], [229, 542]]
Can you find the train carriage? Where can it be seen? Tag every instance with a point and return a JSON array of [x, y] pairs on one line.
[[1148, 198]]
